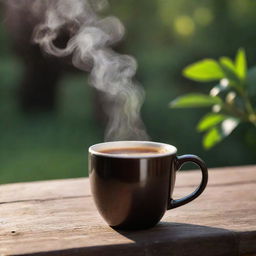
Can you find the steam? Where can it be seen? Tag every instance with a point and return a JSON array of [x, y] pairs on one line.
[[90, 48]]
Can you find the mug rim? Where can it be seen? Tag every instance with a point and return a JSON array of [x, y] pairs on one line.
[[171, 150]]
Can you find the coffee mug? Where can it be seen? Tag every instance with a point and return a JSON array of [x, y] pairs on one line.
[[132, 181]]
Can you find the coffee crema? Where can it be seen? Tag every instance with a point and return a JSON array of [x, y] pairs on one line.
[[134, 151]]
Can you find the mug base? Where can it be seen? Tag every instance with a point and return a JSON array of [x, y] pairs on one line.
[[133, 227]]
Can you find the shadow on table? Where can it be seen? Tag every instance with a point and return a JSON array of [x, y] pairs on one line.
[[182, 239], [167, 239]]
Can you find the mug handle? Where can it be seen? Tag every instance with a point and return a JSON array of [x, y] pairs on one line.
[[199, 162]]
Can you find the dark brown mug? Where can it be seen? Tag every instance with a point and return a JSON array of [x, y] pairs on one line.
[[133, 189]]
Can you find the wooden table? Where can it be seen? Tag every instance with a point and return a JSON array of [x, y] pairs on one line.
[[59, 218]]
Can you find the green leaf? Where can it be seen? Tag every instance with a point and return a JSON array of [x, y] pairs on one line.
[[241, 64], [228, 63], [195, 100], [205, 70], [211, 138], [230, 74], [209, 121], [219, 132]]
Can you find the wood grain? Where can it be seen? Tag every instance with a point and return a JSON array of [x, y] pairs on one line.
[[59, 218]]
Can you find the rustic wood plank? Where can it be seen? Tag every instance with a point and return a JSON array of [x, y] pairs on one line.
[[59, 218], [219, 176], [55, 226], [43, 190]]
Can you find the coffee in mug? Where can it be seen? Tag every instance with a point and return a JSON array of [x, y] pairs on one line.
[[133, 151], [132, 181]]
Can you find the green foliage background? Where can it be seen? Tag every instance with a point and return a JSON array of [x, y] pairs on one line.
[[164, 36], [232, 98]]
